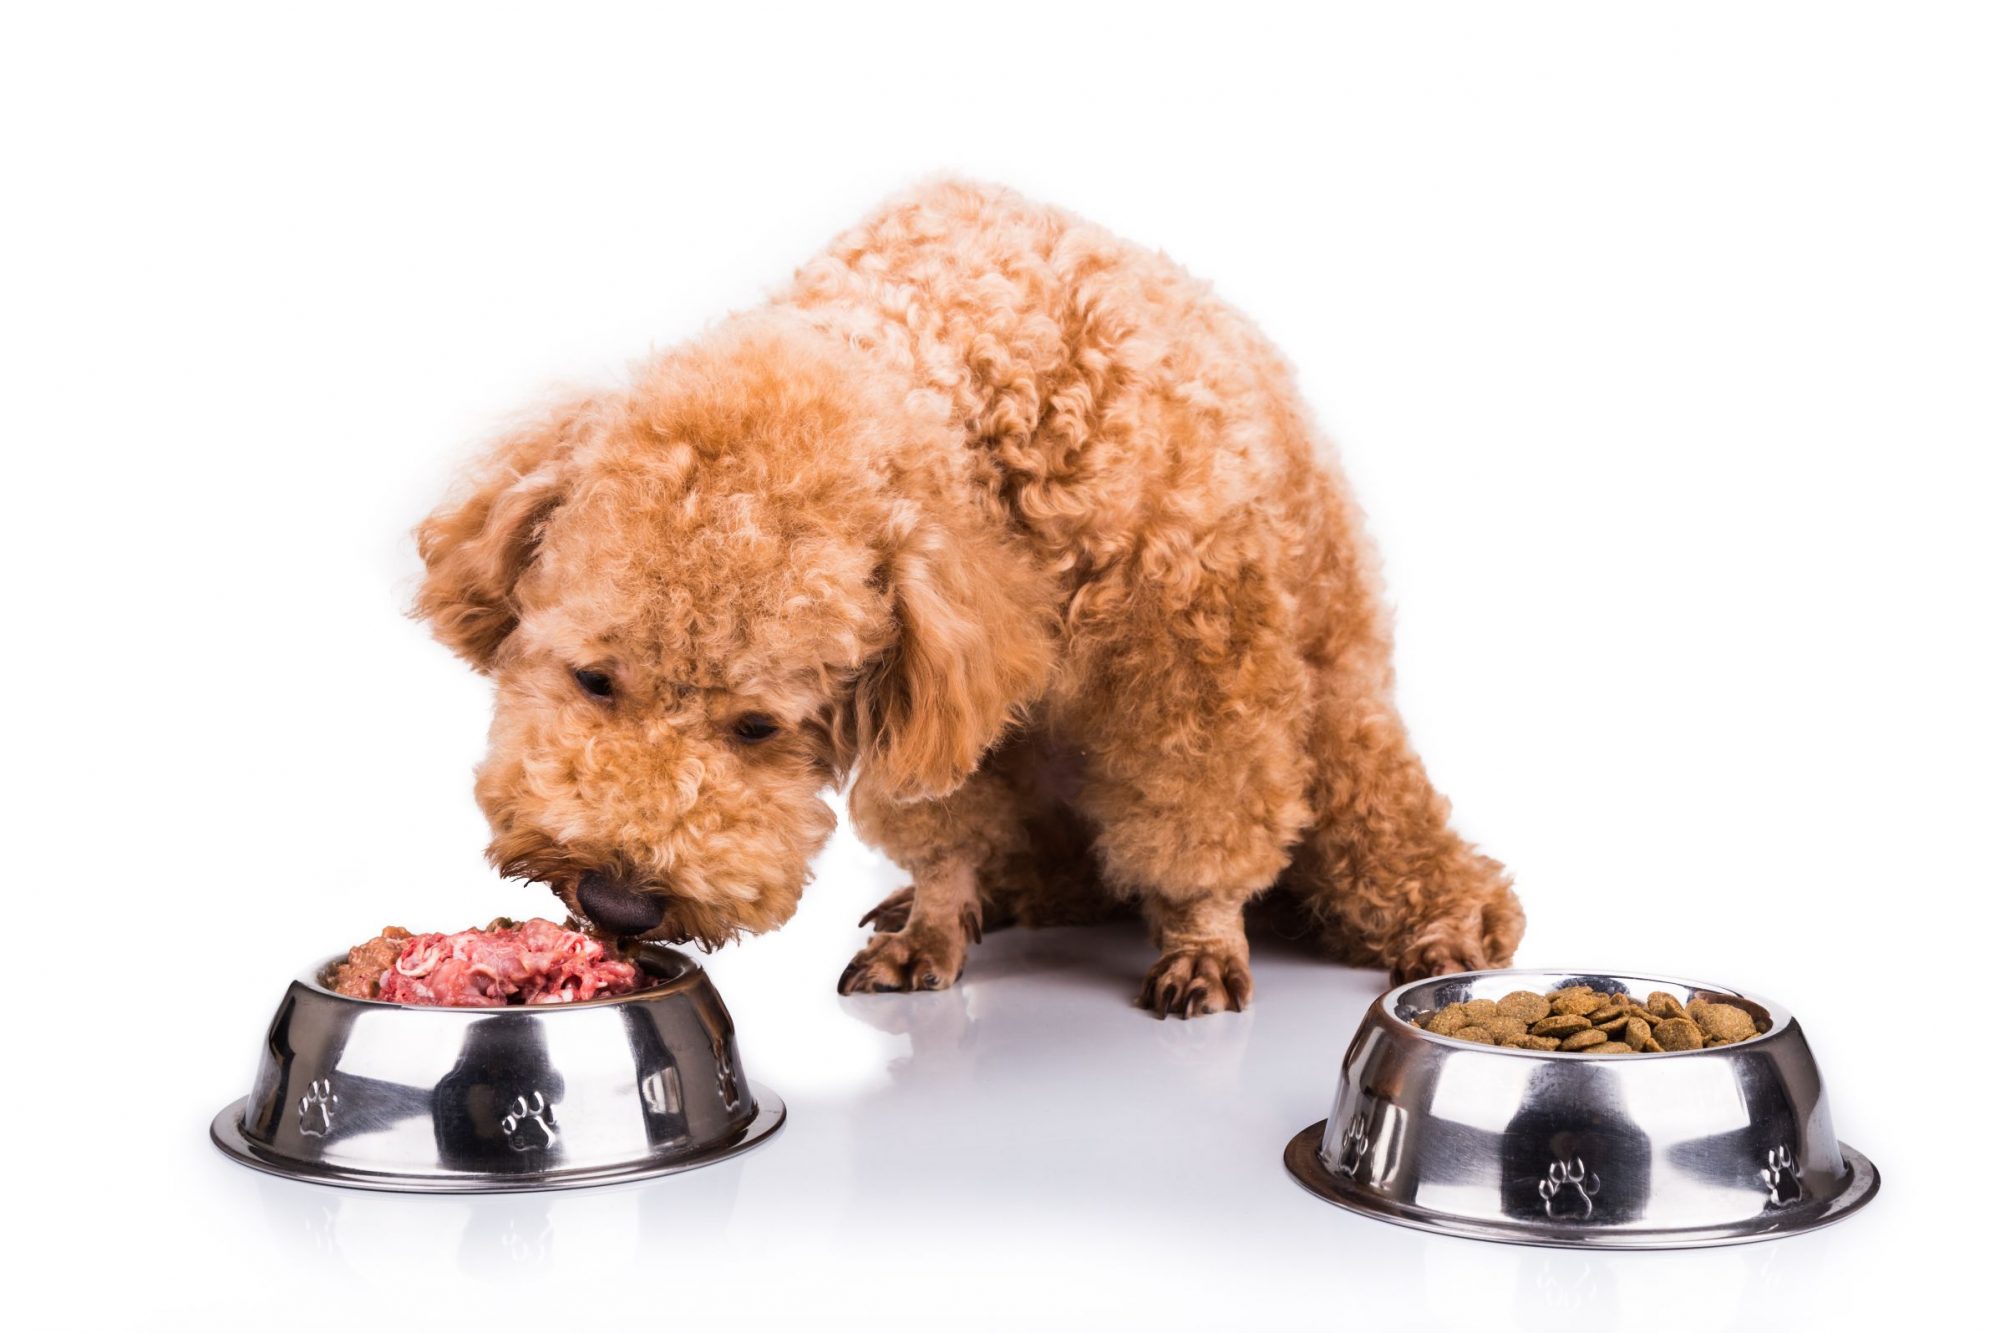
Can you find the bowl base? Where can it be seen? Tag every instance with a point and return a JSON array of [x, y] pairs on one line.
[[1303, 1161], [227, 1133]]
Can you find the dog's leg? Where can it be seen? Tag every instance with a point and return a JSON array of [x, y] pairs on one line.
[[1204, 959], [1192, 862], [1381, 870], [1192, 867], [926, 951], [950, 847], [1195, 779], [893, 913]]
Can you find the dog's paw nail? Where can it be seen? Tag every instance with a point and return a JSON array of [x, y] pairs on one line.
[[930, 981]]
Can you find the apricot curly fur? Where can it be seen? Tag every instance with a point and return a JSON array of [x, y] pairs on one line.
[[1019, 526]]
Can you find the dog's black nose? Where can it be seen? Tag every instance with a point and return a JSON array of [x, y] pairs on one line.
[[617, 908]]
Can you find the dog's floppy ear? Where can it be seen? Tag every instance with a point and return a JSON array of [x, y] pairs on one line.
[[971, 648], [476, 547]]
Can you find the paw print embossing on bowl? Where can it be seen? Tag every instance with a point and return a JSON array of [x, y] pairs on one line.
[[1353, 1147], [1567, 1190], [316, 1108], [1780, 1176], [529, 1124]]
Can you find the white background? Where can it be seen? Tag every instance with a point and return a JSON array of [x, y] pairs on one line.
[[1660, 343]]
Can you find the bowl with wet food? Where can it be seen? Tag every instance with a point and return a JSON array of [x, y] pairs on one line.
[[518, 1056]]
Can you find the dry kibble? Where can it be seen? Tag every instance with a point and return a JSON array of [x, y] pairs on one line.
[[1578, 1018], [1575, 1000], [1447, 1020], [1722, 1023], [1559, 1025], [1678, 1034], [1525, 1005]]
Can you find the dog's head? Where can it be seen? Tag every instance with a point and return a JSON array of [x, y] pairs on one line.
[[702, 600]]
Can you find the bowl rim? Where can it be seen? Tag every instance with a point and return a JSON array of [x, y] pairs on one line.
[[688, 972], [1385, 1007]]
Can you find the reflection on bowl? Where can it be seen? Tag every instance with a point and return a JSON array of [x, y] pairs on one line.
[[1634, 1151], [403, 1097]]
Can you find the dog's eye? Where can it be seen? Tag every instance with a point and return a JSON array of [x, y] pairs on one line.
[[593, 682], [753, 728]]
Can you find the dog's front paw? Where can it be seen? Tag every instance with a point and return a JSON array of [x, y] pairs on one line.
[[1202, 979], [913, 958]]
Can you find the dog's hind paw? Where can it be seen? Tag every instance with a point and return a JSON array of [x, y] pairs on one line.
[[1465, 936], [1190, 982], [908, 959]]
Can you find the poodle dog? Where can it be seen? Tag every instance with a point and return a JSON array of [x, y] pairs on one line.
[[1020, 528]]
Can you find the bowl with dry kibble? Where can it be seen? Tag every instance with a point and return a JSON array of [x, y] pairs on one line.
[[1591, 1110]]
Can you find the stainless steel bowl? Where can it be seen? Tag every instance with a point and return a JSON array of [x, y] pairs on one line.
[[1708, 1147], [408, 1097]]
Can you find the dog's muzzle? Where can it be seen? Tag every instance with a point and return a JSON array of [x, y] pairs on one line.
[[620, 909]]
